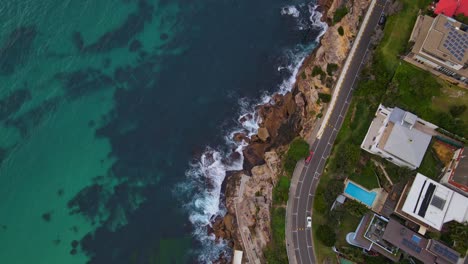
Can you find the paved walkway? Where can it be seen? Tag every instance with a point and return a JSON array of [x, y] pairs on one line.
[[249, 247]]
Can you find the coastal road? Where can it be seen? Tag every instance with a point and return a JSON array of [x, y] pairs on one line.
[[308, 180]]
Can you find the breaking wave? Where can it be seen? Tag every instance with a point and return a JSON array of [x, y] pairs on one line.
[[202, 191]]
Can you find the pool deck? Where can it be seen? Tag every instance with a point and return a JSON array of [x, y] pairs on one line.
[[380, 197]]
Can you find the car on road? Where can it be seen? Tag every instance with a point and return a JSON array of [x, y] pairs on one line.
[[309, 158], [382, 20], [309, 222]]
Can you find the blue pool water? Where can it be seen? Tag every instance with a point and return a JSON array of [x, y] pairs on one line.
[[360, 194]]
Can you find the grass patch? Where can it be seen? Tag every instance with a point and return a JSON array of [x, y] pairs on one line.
[[367, 177], [276, 251], [397, 32], [281, 190], [430, 165], [449, 96]]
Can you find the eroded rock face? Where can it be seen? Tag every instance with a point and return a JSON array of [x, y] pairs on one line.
[[281, 122]]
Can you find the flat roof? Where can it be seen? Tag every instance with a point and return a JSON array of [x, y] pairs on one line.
[[434, 204], [360, 238], [408, 241], [426, 250]]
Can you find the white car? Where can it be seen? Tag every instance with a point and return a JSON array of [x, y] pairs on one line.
[[309, 222]]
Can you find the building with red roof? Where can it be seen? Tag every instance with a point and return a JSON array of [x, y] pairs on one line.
[[452, 7]]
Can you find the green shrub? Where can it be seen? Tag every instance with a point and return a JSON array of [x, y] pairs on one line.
[[355, 208], [457, 110], [324, 97], [281, 190], [303, 75], [462, 18], [339, 14], [317, 71], [341, 31], [298, 150], [327, 235], [331, 68], [276, 251]]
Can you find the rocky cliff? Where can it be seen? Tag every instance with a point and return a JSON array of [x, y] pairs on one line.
[[294, 114]]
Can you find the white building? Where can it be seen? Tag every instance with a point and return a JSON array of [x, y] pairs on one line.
[[432, 204], [398, 136]]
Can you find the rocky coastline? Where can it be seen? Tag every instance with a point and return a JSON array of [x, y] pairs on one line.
[[248, 193]]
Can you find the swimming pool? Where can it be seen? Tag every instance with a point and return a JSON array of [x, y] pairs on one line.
[[360, 194]]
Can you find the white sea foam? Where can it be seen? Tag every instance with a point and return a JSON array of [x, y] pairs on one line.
[[290, 11], [202, 191]]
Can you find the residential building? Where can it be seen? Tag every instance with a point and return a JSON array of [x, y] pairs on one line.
[[398, 136], [456, 174], [425, 250], [431, 204], [390, 238], [368, 236], [452, 7], [440, 46]]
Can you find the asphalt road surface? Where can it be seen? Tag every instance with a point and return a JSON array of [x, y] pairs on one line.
[[310, 176]]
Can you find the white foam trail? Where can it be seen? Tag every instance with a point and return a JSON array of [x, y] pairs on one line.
[[206, 175]]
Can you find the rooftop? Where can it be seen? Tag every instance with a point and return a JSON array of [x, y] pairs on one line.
[[452, 7], [442, 39], [434, 204], [426, 250], [404, 141]]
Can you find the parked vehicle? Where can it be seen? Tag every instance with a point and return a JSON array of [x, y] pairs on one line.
[[382, 20], [309, 222], [309, 158]]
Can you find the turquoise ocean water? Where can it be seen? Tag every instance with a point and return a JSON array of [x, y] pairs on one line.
[[114, 115]]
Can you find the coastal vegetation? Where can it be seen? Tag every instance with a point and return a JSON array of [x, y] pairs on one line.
[[456, 234], [298, 150], [331, 68], [339, 14], [341, 31], [324, 97], [276, 253]]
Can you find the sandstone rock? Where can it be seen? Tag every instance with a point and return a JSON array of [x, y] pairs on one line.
[[238, 137], [229, 222], [253, 155], [263, 134], [299, 99]]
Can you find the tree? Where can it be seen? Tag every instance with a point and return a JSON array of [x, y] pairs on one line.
[[462, 18], [347, 156], [355, 208], [326, 235], [456, 235], [298, 149]]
